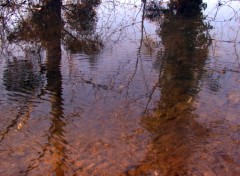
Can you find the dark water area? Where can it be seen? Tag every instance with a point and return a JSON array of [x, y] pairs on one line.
[[125, 88]]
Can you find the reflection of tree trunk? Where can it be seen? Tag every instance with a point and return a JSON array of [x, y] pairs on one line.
[[185, 56], [174, 129], [54, 83]]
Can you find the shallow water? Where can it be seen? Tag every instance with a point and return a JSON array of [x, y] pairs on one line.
[[100, 89]]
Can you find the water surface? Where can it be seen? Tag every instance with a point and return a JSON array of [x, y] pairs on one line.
[[101, 89]]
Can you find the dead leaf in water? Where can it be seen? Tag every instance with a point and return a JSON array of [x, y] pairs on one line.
[[182, 106], [189, 100]]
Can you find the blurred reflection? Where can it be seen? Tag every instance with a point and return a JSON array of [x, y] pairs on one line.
[[47, 27], [187, 8], [81, 25], [78, 21], [176, 133], [22, 76], [183, 8], [51, 24]]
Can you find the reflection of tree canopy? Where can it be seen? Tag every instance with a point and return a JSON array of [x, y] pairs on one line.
[[186, 8], [21, 75], [40, 25], [81, 17], [80, 27], [40, 22]]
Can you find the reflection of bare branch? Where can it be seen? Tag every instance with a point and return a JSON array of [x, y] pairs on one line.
[[13, 123], [139, 49], [105, 87], [235, 47], [157, 83], [142, 25], [221, 5], [225, 41]]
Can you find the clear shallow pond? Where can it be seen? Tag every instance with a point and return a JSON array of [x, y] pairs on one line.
[[98, 89]]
